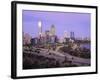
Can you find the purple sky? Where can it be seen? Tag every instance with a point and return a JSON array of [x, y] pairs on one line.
[[79, 23]]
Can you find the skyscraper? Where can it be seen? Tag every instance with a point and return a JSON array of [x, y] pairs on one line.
[[40, 28], [47, 33], [72, 35], [65, 34], [52, 30]]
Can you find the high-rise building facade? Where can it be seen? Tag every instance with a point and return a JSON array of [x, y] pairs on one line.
[[34, 41], [52, 30], [47, 36], [26, 39], [65, 34], [72, 35], [40, 28]]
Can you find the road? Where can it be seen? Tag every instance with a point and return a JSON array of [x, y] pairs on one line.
[[61, 56]]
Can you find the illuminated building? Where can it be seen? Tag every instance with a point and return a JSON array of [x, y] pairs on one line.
[[40, 28]]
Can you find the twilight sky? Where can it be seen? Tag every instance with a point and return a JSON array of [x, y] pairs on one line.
[[79, 23]]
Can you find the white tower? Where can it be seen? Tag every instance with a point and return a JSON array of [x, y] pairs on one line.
[[65, 34], [40, 27]]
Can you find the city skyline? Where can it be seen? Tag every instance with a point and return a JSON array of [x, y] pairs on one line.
[[79, 23]]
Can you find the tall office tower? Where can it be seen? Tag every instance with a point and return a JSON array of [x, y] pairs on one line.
[[65, 34], [52, 30], [47, 33], [72, 36], [40, 28]]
